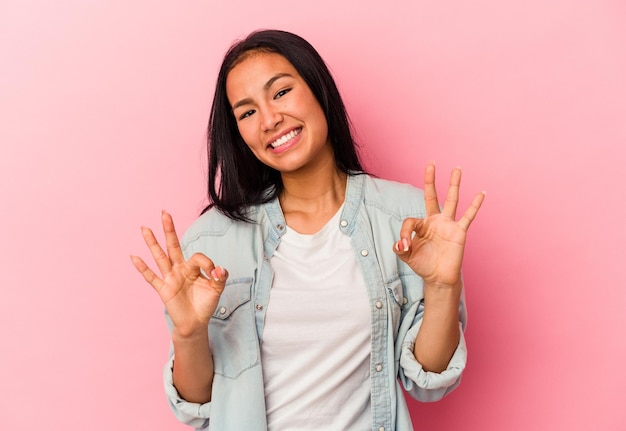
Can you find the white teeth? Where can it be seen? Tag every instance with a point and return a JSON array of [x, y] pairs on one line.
[[285, 138]]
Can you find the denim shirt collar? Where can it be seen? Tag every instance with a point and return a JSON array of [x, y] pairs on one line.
[[276, 219]]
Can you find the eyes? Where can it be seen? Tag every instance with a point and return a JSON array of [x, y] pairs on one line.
[[280, 93], [246, 114]]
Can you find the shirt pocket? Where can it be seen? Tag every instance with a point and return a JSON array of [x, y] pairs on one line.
[[232, 333]]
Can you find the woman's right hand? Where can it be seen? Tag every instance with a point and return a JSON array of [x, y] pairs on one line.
[[189, 296]]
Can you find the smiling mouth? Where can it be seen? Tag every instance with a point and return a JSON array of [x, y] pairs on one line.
[[285, 138]]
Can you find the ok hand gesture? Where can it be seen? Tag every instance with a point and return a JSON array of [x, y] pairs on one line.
[[433, 246], [189, 296]]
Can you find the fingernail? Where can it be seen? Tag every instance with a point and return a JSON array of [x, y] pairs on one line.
[[217, 273], [405, 244], [397, 246]]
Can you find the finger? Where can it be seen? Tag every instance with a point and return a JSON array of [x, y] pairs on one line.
[[199, 261], [219, 274], [161, 259], [216, 274], [409, 226], [171, 239], [430, 193], [470, 213], [147, 273], [452, 198], [407, 230]]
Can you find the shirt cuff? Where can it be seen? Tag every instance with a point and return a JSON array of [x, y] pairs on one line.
[[425, 385], [194, 414]]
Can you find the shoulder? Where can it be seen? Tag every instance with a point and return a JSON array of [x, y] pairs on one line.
[[396, 199], [215, 224]]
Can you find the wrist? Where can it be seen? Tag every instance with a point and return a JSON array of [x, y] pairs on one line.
[[443, 297], [190, 336], [443, 289], [450, 282]]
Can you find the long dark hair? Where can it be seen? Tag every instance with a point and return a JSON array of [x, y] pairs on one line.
[[236, 178]]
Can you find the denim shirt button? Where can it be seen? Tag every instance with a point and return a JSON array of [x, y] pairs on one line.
[[381, 429], [364, 252], [379, 367], [223, 310], [259, 307], [405, 300], [379, 305], [280, 227], [343, 223]]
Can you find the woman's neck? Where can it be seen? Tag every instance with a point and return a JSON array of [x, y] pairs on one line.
[[308, 201]]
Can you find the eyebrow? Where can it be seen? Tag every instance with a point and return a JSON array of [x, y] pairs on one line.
[[266, 87]]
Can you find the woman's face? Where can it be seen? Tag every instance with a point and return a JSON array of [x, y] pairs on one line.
[[277, 115]]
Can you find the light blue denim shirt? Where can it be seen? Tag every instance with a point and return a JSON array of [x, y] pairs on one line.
[[372, 214]]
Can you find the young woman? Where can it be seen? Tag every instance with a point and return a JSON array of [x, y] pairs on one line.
[[307, 290]]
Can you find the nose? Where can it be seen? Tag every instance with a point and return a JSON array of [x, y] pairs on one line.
[[270, 118]]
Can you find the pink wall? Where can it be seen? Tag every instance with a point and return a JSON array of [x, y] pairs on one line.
[[102, 116]]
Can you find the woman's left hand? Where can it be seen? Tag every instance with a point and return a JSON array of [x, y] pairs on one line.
[[433, 246]]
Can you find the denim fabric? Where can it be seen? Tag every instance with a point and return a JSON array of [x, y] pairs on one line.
[[373, 212]]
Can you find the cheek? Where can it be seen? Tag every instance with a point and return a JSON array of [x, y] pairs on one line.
[[246, 132], [322, 124], [249, 138], [317, 114]]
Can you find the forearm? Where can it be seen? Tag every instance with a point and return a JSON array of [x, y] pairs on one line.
[[439, 333], [193, 366]]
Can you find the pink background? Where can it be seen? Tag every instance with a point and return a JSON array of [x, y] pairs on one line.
[[103, 110]]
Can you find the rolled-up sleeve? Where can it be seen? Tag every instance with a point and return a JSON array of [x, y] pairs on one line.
[[425, 385], [194, 414]]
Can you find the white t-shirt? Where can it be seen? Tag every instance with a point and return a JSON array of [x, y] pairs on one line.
[[316, 357]]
